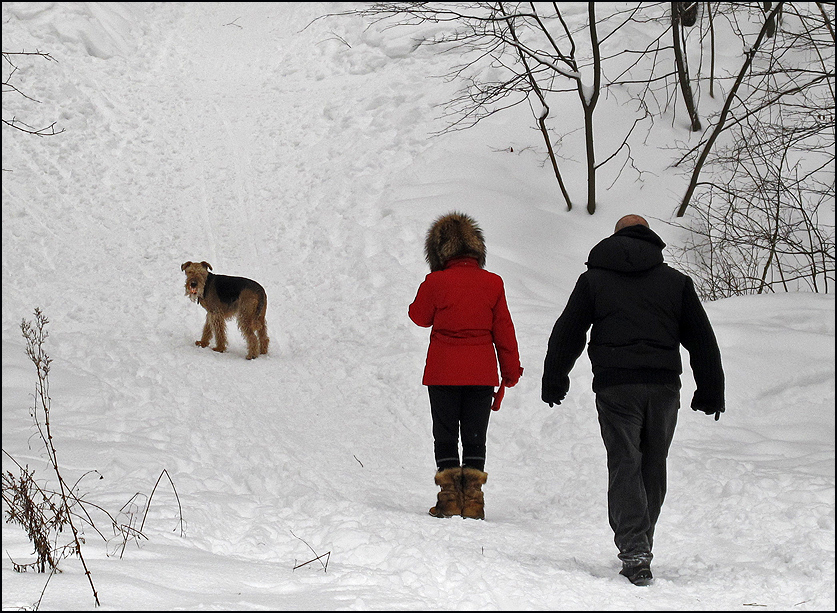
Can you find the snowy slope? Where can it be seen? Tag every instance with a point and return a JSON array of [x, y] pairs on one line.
[[298, 154]]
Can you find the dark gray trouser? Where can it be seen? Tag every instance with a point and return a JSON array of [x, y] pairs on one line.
[[455, 409], [637, 423]]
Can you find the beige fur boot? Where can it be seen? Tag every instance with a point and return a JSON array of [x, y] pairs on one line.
[[449, 499], [474, 499]]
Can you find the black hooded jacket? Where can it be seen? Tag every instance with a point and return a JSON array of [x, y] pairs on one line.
[[641, 311]]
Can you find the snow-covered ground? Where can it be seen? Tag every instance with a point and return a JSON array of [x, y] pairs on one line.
[[302, 157]]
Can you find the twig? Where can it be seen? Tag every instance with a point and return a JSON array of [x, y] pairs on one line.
[[338, 37], [9, 87], [37, 604], [148, 506], [325, 566], [319, 557]]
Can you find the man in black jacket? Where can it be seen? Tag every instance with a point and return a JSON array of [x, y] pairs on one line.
[[641, 311]]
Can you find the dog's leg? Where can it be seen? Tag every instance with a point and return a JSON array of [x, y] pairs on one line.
[[207, 332], [263, 339], [252, 345], [261, 325], [248, 325], [219, 327]]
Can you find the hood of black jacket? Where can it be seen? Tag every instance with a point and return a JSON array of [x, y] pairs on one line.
[[630, 250]]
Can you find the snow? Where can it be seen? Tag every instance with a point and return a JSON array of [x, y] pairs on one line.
[[299, 154]]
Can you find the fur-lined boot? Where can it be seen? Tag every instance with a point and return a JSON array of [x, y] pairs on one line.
[[474, 503], [449, 499]]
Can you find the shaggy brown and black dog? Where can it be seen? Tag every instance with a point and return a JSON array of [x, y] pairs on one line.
[[224, 297]]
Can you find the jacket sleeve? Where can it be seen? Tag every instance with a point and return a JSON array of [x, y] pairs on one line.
[[567, 341], [423, 310], [505, 340], [697, 337]]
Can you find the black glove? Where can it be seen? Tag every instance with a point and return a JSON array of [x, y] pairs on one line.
[[552, 397], [710, 411]]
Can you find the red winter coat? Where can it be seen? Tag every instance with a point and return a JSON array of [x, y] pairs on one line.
[[466, 305]]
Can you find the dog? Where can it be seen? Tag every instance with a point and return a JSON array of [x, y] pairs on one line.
[[224, 297]]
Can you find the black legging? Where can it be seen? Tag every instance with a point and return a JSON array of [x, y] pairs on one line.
[[456, 408]]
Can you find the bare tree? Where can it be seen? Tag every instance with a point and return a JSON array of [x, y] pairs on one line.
[[725, 111], [535, 49], [759, 221], [541, 115], [764, 231]]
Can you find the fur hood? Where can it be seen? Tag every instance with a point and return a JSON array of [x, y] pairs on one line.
[[452, 236]]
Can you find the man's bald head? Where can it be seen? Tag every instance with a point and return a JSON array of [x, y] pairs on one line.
[[630, 220]]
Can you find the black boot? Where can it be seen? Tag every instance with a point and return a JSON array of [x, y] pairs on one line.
[[638, 573]]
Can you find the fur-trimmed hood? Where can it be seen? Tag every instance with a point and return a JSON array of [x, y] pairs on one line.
[[452, 236]]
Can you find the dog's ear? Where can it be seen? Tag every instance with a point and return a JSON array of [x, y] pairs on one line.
[[184, 265], [206, 265]]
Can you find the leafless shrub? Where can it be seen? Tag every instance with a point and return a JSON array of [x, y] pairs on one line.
[[45, 513]]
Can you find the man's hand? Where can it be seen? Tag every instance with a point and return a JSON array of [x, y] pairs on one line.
[[552, 399], [710, 411]]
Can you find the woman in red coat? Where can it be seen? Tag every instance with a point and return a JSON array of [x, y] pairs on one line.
[[471, 330]]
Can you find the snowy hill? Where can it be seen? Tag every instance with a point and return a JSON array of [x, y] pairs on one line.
[[299, 154]]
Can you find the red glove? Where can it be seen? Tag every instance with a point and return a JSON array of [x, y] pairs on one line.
[[512, 382], [498, 397], [501, 391]]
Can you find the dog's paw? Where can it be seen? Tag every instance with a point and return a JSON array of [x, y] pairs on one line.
[[219, 349], [201, 344]]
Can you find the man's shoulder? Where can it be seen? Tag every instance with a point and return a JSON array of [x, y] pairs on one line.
[[662, 268], [672, 272], [661, 276]]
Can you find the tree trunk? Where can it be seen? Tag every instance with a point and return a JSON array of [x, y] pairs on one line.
[[589, 104], [591, 159], [542, 125], [772, 20], [711, 50], [682, 71]]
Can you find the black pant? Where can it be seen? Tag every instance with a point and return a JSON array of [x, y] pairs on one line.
[[456, 408], [637, 423]]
